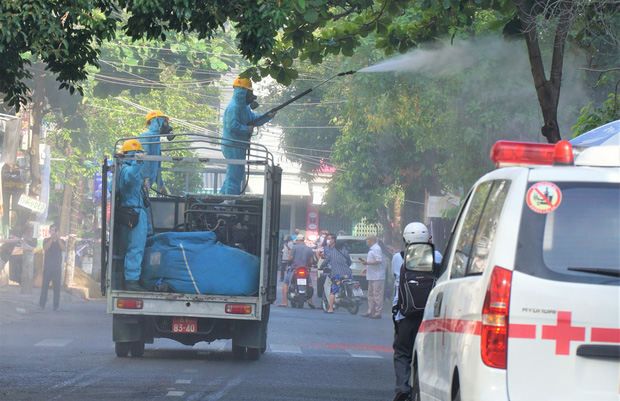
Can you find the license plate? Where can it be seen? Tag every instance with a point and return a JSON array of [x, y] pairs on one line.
[[301, 281], [184, 325], [358, 292]]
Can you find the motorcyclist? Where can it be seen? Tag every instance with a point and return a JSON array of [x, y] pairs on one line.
[[157, 124], [132, 175], [237, 115], [301, 256], [340, 263], [406, 328]]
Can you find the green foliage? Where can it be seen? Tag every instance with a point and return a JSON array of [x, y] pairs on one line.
[[591, 118]]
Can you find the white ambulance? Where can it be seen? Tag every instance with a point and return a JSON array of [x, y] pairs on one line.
[[527, 303]]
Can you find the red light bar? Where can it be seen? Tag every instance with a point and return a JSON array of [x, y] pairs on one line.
[[510, 152], [129, 303], [239, 309], [301, 272]]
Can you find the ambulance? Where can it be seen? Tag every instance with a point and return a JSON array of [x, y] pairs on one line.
[[527, 300]]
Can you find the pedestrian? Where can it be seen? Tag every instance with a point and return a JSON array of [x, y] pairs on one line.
[[236, 132], [406, 328], [375, 275], [53, 246], [131, 188], [301, 256], [286, 252], [295, 234], [158, 124]]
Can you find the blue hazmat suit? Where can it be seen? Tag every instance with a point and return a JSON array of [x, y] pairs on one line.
[[152, 147], [131, 181], [236, 117]]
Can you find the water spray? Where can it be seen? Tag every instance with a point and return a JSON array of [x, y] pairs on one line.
[[302, 94]]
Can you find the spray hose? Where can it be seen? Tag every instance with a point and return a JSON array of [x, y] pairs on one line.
[[302, 94]]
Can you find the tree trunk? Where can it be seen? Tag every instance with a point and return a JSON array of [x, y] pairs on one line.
[[547, 91], [398, 224], [73, 228], [65, 211], [384, 220], [37, 119]]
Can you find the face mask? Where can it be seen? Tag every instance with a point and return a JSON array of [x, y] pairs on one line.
[[52, 232], [250, 99], [329, 242]]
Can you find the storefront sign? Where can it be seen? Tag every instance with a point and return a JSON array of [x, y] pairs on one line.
[[31, 203]]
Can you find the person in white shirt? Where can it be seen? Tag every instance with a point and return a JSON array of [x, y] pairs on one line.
[[375, 274]]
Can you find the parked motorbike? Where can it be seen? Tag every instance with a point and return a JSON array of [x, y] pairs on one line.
[[299, 290], [349, 295]]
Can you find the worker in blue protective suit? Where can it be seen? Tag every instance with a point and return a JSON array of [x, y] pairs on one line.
[[158, 125], [235, 126], [132, 175]]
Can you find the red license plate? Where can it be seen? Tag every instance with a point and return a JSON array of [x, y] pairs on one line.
[[184, 325]]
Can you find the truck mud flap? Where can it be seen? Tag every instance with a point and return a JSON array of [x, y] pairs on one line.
[[252, 334], [127, 328]]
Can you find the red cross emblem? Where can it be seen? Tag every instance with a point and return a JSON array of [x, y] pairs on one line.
[[563, 333]]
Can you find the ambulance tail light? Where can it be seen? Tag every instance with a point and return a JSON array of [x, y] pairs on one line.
[[494, 336], [524, 153]]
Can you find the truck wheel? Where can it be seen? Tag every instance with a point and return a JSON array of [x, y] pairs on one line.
[[136, 348], [253, 354], [238, 351], [121, 349]]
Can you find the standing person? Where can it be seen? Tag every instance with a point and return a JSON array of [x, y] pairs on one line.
[[330, 243], [406, 328], [340, 262], [301, 256], [375, 274], [286, 252], [150, 140], [237, 115], [295, 234], [131, 187], [52, 267]]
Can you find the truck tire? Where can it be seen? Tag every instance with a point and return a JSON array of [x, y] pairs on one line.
[[121, 349], [136, 348], [238, 351], [253, 354]]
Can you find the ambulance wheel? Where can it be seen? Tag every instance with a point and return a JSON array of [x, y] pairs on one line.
[[136, 348], [121, 349], [253, 354], [238, 351]]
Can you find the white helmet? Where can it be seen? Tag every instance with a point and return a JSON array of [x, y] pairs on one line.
[[415, 232]]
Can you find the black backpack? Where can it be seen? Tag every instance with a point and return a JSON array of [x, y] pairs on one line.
[[413, 291]]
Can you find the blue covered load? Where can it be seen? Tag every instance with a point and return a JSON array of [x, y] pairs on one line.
[[195, 263]]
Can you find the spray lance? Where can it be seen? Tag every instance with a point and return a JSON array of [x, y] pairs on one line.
[[302, 94]]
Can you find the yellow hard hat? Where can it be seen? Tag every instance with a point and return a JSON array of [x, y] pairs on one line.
[[243, 83], [153, 114], [132, 144]]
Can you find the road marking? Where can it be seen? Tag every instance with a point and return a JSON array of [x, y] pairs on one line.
[[53, 343], [175, 393], [292, 349], [364, 354], [183, 381]]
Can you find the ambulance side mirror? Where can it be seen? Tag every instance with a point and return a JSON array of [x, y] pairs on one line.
[[420, 257]]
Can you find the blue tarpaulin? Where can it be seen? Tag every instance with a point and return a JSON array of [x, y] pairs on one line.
[[195, 263]]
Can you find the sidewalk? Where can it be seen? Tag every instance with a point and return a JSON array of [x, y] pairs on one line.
[[14, 305]]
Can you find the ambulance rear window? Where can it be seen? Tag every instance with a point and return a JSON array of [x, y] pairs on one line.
[[579, 240]]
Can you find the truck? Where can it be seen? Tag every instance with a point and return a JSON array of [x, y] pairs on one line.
[[246, 223]]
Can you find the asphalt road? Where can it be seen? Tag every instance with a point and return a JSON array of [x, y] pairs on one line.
[[69, 355]]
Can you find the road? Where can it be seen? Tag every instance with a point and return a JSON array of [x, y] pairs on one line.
[[69, 355]]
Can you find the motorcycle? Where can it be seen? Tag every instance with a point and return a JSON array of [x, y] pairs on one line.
[[349, 295], [298, 290]]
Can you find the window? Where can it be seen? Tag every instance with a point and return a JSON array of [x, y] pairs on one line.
[[485, 234], [466, 230]]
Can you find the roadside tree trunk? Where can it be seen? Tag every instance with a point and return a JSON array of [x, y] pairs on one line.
[[73, 228], [547, 90]]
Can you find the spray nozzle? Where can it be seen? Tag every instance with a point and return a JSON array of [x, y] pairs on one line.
[[346, 73]]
